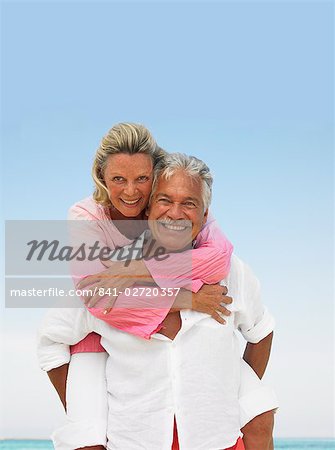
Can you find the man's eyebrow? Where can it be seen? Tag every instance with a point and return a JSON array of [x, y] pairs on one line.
[[192, 199], [162, 194], [186, 199]]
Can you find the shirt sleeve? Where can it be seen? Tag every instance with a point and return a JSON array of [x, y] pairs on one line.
[[207, 263], [60, 328], [252, 318]]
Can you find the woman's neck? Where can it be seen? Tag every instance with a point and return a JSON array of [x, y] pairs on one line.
[[131, 227]]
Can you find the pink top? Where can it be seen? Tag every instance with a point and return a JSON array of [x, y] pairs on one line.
[[210, 263]]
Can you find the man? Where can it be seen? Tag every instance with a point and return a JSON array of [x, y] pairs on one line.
[[190, 370]]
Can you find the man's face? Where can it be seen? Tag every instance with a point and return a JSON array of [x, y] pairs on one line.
[[176, 213]]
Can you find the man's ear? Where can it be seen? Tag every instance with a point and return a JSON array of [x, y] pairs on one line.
[[205, 216]]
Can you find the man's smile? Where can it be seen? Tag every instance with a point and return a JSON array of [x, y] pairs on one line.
[[180, 225]]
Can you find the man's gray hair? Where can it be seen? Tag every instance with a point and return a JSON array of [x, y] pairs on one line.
[[193, 167]]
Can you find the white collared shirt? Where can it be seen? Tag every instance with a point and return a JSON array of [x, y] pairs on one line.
[[194, 378]]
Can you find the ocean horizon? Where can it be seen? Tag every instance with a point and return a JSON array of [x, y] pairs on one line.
[[283, 443]]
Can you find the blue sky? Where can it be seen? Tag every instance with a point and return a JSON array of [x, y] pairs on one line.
[[246, 86]]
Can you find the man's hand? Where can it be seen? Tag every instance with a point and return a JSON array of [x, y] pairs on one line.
[[210, 299]]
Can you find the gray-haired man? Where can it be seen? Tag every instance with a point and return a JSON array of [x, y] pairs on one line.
[[190, 372]]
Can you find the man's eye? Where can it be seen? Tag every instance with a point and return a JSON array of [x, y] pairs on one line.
[[163, 201], [143, 179], [190, 204]]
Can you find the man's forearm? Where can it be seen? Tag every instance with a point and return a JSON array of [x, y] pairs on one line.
[[58, 378], [257, 355]]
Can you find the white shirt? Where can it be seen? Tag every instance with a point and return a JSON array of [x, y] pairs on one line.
[[195, 377]]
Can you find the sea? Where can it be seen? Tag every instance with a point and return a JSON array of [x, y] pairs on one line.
[[288, 444]]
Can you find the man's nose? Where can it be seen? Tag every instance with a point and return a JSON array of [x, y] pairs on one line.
[[176, 212], [130, 189]]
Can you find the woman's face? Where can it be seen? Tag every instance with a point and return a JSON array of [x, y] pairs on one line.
[[129, 179]]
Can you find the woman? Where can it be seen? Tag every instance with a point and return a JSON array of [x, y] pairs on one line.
[[122, 173]]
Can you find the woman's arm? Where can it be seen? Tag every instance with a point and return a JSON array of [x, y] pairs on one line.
[[207, 263], [142, 316]]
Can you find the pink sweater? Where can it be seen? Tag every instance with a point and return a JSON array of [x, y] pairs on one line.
[[210, 264]]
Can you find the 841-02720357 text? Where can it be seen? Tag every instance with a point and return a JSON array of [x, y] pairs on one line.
[[147, 291]]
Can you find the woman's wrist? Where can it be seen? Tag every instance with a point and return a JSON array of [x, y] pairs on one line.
[[138, 272]]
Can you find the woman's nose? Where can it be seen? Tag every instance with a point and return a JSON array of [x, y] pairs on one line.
[[130, 189]]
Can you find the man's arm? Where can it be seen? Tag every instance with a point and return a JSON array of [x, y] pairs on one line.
[[252, 318], [257, 433], [256, 325], [58, 377], [257, 355]]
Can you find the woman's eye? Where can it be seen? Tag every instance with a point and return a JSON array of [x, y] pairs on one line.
[[118, 179]]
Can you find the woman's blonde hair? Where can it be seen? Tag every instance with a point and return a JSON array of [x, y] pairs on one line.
[[128, 138]]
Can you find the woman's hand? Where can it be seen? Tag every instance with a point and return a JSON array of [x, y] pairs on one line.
[[113, 281]]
